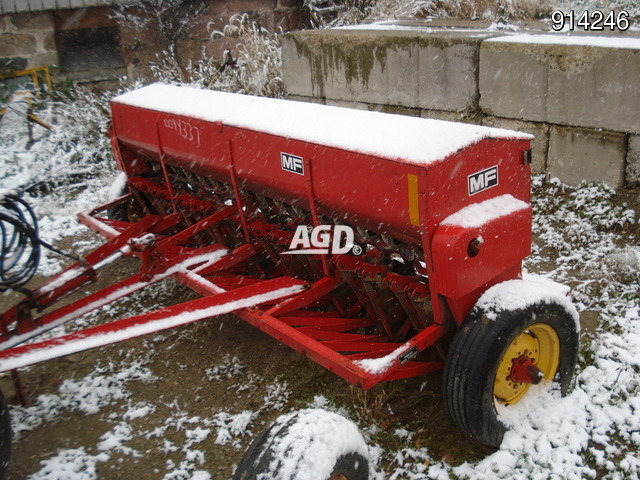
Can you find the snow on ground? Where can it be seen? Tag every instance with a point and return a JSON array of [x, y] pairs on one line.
[[70, 464], [582, 241], [106, 386], [103, 386]]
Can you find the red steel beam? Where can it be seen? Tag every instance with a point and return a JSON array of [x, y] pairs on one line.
[[162, 319]]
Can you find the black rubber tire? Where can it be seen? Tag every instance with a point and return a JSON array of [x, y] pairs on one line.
[[262, 460], [475, 354], [5, 437]]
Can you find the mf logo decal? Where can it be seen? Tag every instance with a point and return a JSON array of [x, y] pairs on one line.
[[292, 163], [483, 180]]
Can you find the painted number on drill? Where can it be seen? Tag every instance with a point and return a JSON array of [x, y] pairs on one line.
[[292, 163], [184, 129], [483, 180]]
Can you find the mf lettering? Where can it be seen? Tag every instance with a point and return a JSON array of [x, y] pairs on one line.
[[292, 163], [482, 180]]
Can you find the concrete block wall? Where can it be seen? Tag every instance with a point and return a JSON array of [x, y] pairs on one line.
[[408, 69], [580, 99]]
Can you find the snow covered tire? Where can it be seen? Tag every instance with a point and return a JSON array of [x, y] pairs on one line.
[[474, 370], [309, 444]]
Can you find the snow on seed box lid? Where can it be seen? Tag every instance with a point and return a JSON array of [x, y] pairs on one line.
[[414, 140]]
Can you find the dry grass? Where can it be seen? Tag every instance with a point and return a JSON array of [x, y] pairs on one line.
[[488, 9], [349, 12], [258, 68], [329, 13]]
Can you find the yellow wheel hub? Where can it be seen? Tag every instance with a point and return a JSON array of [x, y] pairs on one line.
[[537, 346]]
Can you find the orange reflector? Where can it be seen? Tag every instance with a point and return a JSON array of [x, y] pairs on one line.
[[414, 212]]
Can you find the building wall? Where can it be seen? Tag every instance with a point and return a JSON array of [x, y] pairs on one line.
[[52, 36]]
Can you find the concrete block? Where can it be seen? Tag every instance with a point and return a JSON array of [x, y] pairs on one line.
[[353, 65], [579, 154], [513, 82], [103, 76], [370, 67], [301, 65], [632, 173], [580, 85], [539, 146], [595, 87], [448, 72]]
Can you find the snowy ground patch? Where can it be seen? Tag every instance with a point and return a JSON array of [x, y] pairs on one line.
[[103, 386], [71, 464]]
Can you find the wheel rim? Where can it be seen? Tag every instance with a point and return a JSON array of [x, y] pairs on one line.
[[537, 344]]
